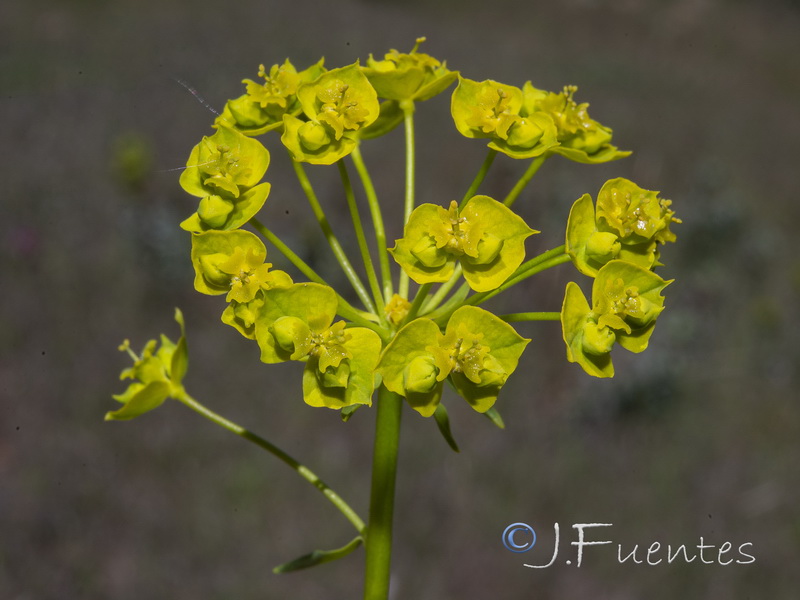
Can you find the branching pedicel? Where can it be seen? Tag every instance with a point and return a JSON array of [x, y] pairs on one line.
[[403, 346]]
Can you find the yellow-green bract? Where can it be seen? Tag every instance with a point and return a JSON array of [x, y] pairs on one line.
[[485, 237], [477, 350], [336, 105], [626, 301], [296, 323], [628, 225], [262, 108], [493, 110], [414, 76], [232, 262], [157, 373]]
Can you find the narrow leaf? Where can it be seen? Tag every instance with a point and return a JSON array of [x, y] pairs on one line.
[[495, 417], [443, 422], [318, 557], [150, 397], [348, 411]]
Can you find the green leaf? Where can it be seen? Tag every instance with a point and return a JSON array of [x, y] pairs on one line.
[[437, 86], [349, 411], [494, 417], [146, 398], [318, 557], [179, 363], [443, 423]]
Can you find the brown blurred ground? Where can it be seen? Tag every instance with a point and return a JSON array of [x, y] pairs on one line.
[[696, 437]]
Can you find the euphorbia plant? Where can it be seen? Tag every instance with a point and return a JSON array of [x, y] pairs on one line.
[[402, 345]]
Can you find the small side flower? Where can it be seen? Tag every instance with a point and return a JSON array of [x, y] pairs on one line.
[[157, 372], [297, 323], [628, 224], [488, 109], [580, 138], [336, 107], [262, 108], [224, 170], [626, 301]]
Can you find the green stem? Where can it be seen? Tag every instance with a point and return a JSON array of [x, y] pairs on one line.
[[302, 470], [443, 314], [422, 293], [333, 241], [362, 243], [377, 222], [523, 181], [408, 206], [298, 262], [345, 309], [538, 268], [479, 177], [381, 506], [443, 290], [531, 316]]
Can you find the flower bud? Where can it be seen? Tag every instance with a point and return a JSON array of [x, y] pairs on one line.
[[524, 134], [292, 335], [419, 376], [336, 377], [489, 248], [591, 140], [643, 312], [210, 267], [313, 136], [214, 211], [597, 340], [493, 373], [602, 246], [426, 252]]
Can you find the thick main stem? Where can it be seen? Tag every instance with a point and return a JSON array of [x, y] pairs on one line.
[[381, 506]]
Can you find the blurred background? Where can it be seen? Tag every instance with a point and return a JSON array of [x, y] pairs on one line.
[[698, 436]]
